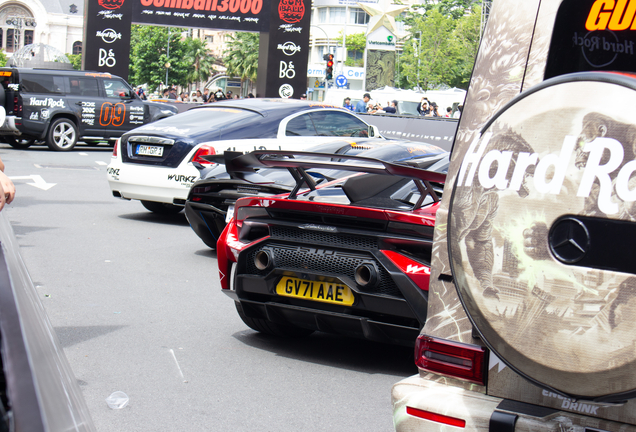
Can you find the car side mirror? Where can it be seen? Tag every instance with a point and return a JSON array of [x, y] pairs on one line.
[[374, 132]]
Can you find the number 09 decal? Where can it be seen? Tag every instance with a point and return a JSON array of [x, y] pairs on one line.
[[112, 115]]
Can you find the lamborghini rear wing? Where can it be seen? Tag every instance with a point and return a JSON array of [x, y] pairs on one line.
[[243, 166]]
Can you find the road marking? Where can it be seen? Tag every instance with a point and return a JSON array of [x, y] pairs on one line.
[[177, 363], [38, 181], [82, 154], [101, 163]]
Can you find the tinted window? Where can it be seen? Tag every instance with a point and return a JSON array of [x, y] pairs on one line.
[[592, 35], [84, 86], [117, 89], [205, 120], [336, 123], [47, 84], [300, 126]]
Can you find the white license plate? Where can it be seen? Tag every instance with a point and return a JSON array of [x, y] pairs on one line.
[[146, 150], [230, 214]]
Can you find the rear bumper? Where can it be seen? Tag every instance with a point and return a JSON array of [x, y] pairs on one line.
[[9, 127], [414, 397], [379, 318], [328, 321], [151, 183]]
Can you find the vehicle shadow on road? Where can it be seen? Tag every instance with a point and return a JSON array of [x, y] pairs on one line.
[[211, 253], [177, 220], [337, 351], [70, 336]]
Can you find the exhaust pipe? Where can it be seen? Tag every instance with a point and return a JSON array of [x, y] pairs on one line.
[[263, 260], [366, 275]]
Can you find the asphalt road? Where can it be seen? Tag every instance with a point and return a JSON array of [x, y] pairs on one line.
[[135, 300]]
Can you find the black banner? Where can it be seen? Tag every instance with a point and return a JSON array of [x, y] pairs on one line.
[[107, 36], [239, 15], [282, 63], [283, 25]]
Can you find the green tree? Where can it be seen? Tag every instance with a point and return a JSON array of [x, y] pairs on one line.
[[201, 59], [356, 43], [441, 47], [465, 37], [149, 56], [3, 58], [429, 54], [241, 57], [76, 60]]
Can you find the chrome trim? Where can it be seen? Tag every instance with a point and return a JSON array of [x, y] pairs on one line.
[[150, 140]]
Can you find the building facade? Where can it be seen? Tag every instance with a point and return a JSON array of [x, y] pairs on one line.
[[58, 23]]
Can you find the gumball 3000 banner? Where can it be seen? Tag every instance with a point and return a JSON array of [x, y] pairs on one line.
[[241, 15]]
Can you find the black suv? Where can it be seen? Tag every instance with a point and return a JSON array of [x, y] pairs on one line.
[[61, 107]]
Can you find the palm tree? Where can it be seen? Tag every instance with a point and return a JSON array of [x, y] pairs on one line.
[[241, 57], [202, 60]]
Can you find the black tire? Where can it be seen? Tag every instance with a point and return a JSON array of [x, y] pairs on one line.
[[161, 208], [62, 135], [19, 143], [271, 328]]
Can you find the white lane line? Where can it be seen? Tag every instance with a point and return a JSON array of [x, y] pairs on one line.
[[82, 154], [101, 163], [37, 180], [176, 362]]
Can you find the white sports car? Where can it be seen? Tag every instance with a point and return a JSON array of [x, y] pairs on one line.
[[159, 162]]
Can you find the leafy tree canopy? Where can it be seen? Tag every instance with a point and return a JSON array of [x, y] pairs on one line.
[[241, 56], [149, 56], [441, 47], [76, 60]]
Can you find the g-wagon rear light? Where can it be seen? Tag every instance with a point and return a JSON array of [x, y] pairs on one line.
[[458, 360], [115, 147], [438, 418]]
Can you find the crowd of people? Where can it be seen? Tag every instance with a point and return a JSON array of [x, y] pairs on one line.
[[426, 108], [196, 96]]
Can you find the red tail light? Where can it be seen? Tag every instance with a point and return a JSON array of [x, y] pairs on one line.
[[439, 418], [455, 359], [204, 150], [416, 271], [238, 234], [115, 147], [17, 106]]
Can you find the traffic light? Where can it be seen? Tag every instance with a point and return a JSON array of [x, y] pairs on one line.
[[329, 69]]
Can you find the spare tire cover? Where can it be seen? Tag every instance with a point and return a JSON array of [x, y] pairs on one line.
[[532, 265]]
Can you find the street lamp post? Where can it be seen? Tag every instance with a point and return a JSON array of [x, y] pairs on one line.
[[18, 24], [419, 60], [168, 57], [326, 35]]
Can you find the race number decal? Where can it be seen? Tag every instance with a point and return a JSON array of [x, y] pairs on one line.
[[112, 114]]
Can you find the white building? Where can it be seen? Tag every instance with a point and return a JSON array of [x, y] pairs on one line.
[[58, 23], [331, 19]]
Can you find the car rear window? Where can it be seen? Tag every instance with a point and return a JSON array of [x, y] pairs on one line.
[[9, 80], [326, 123], [46, 84], [592, 35], [209, 117]]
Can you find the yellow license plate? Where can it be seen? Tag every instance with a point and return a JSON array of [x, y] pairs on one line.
[[327, 292]]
